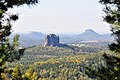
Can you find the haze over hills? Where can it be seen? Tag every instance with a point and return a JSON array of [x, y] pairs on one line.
[[36, 38], [88, 35], [30, 38]]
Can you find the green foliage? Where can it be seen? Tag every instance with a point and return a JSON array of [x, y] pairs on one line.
[[54, 63], [16, 41], [30, 75], [16, 74], [112, 17], [111, 71], [9, 52]]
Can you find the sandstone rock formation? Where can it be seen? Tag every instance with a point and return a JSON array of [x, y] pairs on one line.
[[51, 40]]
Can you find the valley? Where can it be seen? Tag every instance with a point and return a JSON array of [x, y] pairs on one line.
[[62, 63], [75, 57]]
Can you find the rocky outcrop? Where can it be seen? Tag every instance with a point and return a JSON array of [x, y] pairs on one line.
[[51, 40]]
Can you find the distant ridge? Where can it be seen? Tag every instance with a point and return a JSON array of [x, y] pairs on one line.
[[30, 38], [89, 31], [36, 38], [88, 35]]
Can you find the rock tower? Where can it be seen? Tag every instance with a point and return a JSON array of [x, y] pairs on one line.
[[51, 40]]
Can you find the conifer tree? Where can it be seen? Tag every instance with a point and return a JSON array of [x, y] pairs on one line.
[[112, 17], [16, 74], [9, 52], [110, 71]]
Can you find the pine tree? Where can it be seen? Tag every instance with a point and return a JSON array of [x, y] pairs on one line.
[[112, 17], [110, 71], [9, 52], [16, 74]]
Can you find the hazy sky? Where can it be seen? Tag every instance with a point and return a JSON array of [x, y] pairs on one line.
[[61, 16]]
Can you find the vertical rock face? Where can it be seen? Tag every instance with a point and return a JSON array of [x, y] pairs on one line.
[[52, 40]]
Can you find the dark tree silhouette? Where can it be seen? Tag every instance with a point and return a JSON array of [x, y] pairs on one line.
[[9, 52], [110, 71], [112, 17]]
